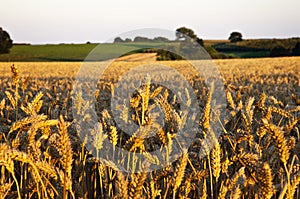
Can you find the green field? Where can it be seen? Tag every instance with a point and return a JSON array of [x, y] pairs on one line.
[[255, 48], [218, 49], [71, 52]]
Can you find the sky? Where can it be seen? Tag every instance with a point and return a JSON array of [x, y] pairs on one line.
[[79, 21]]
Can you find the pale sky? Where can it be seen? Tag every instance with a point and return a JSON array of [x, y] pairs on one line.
[[78, 21]]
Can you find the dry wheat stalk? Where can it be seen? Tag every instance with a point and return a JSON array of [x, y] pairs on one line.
[[4, 189], [265, 178], [215, 156], [113, 135], [291, 124], [136, 185], [249, 109], [236, 192], [247, 123], [162, 136], [16, 78], [247, 159], [279, 139], [262, 100], [65, 147], [11, 99], [28, 120], [230, 100], [2, 105], [281, 112], [167, 109], [233, 181], [204, 190], [156, 92], [145, 93], [79, 102], [8, 154], [207, 109], [154, 192], [122, 185], [34, 107], [179, 172], [294, 183], [189, 101], [98, 137]]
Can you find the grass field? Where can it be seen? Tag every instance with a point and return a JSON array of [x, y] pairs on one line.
[[254, 152], [70, 52], [78, 52], [256, 48]]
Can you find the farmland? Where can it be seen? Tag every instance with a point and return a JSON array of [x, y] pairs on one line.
[[69, 52], [253, 152], [251, 48]]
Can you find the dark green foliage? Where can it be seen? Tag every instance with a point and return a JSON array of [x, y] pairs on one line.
[[5, 42], [296, 50], [160, 39], [200, 41], [187, 35], [252, 48], [215, 54], [279, 51], [128, 40], [163, 55], [141, 39], [235, 37], [268, 44], [118, 40]]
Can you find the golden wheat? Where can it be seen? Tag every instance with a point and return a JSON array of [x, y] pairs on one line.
[[255, 156]]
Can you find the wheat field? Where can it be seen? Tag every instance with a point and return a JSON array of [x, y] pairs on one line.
[[255, 152]]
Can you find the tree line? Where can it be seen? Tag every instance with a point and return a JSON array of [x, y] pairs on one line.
[[5, 41], [183, 35]]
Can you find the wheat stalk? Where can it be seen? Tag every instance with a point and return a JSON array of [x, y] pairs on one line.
[[28, 120], [207, 109], [16, 78], [216, 160], [136, 185], [179, 173], [122, 185], [280, 141], [264, 177], [230, 100], [66, 152], [11, 154], [295, 182]]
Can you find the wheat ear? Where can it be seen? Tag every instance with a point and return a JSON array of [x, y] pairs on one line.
[[279, 139], [122, 185], [179, 174], [264, 177]]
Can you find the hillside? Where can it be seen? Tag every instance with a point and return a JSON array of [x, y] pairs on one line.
[[218, 49], [251, 48]]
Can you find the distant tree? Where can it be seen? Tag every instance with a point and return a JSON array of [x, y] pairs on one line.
[[235, 37], [296, 50], [160, 39], [187, 34], [88, 42], [279, 51], [200, 41], [5, 42], [118, 40], [128, 40], [141, 39]]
